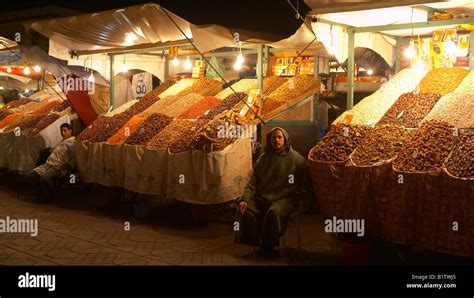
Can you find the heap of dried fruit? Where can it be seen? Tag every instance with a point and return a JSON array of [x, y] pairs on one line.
[[244, 85], [9, 119], [443, 80], [17, 103], [294, 87], [48, 107], [461, 161], [122, 108], [103, 128], [339, 143], [454, 108], [151, 127], [426, 148], [380, 144], [158, 106], [127, 130], [29, 121], [4, 113], [467, 85], [200, 86], [226, 104], [64, 105], [185, 142], [155, 93], [141, 105], [211, 136], [42, 124], [177, 88], [409, 109], [174, 131], [199, 108]]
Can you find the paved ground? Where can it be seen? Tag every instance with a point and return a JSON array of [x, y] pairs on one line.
[[86, 227]]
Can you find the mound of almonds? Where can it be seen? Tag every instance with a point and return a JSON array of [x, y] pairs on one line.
[[380, 144], [461, 161], [151, 127], [409, 109], [339, 143], [443, 80], [426, 148]]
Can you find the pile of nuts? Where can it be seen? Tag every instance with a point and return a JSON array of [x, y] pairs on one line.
[[127, 130], [244, 85], [338, 144], [370, 109], [17, 103], [141, 105], [103, 128], [46, 108], [272, 83], [27, 122], [177, 88], [64, 105], [185, 142], [443, 80], [180, 105], [171, 133], [151, 127], [155, 93], [409, 109], [10, 119], [227, 103], [4, 113], [42, 124], [200, 85], [461, 162], [426, 148], [381, 144], [454, 108], [467, 85], [294, 87], [158, 106]]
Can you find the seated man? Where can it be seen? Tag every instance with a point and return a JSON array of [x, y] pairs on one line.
[[271, 194], [61, 161]]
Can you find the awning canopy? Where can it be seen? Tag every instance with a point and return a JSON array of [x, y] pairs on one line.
[[147, 25]]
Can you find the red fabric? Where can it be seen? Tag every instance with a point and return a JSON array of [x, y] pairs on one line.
[[81, 103]]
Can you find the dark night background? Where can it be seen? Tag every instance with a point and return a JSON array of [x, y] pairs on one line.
[[273, 17]]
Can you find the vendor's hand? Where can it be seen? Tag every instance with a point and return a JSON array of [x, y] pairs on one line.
[[242, 206]]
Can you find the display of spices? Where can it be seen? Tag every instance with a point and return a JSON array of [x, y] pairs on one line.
[[409, 109], [271, 83], [200, 85], [371, 109], [9, 119], [184, 143], [127, 130], [443, 80], [103, 128], [150, 127], [226, 104], [380, 144], [454, 108], [141, 105], [338, 144], [426, 148], [177, 87], [64, 105], [174, 131], [244, 85], [42, 124], [461, 162], [199, 108], [17, 103], [181, 104]]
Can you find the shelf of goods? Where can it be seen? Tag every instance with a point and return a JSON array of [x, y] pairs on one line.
[[28, 126], [166, 146], [402, 159]]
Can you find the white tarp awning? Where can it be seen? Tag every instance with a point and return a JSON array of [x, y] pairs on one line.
[[141, 25]]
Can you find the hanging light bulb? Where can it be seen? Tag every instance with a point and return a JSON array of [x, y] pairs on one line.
[[27, 90], [240, 58], [370, 72], [37, 68], [188, 64], [27, 70], [175, 61], [124, 68], [9, 69], [410, 52], [237, 65], [91, 78]]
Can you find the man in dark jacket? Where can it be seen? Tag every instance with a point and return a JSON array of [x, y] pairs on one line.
[[270, 196]]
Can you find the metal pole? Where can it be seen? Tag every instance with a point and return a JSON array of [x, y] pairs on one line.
[[397, 54], [350, 72], [315, 100], [111, 99], [167, 68], [471, 51], [260, 66]]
